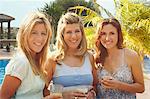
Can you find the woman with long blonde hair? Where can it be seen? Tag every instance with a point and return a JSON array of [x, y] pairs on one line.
[[24, 76], [74, 65]]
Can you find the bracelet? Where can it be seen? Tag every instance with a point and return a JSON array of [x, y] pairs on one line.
[[93, 92]]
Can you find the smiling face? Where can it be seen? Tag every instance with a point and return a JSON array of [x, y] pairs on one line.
[[72, 35], [109, 36], [37, 38]]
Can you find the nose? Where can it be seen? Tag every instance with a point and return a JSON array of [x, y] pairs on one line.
[[107, 37], [73, 35], [39, 37]]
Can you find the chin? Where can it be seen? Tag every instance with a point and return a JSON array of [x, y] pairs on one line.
[[38, 51], [108, 47]]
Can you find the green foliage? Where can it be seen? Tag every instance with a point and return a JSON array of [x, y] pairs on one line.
[[90, 37], [135, 19], [58, 7], [90, 20]]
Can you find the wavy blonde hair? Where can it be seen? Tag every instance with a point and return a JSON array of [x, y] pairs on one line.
[[69, 18], [23, 34]]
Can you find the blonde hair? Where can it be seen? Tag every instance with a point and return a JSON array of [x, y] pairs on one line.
[[69, 18], [23, 34]]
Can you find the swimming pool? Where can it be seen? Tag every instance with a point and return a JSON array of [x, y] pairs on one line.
[[3, 63], [147, 65]]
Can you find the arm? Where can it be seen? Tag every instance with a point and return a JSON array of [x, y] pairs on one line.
[[134, 62], [137, 86], [9, 87], [94, 72], [46, 92], [92, 94], [49, 70]]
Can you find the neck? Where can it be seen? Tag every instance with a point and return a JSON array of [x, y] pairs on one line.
[[113, 51], [71, 52]]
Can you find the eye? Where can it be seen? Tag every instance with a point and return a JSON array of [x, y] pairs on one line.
[[68, 32], [102, 33], [77, 31], [44, 33], [33, 32], [112, 33]]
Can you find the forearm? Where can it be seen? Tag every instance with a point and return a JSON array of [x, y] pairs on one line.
[[133, 88], [2, 96], [46, 92]]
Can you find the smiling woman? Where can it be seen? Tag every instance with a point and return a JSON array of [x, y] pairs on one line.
[[75, 67], [26, 66], [120, 73]]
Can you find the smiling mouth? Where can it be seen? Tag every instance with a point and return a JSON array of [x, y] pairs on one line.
[[107, 42], [74, 41], [38, 44]]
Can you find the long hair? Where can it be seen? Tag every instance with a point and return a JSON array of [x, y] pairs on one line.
[[69, 18], [22, 37], [101, 50]]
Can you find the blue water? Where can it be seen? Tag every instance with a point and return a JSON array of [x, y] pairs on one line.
[[4, 62], [147, 65]]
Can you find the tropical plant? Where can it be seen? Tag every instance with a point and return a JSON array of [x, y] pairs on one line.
[[58, 7], [90, 20], [135, 19]]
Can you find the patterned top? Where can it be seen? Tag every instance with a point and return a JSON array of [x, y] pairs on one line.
[[74, 76], [123, 74]]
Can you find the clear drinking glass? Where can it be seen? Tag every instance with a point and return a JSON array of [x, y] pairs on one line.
[[80, 88], [56, 89]]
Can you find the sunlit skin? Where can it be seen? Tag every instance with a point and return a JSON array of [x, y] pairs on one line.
[[37, 38], [109, 36], [72, 36], [116, 57]]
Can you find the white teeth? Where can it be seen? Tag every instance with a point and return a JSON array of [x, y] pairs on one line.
[[108, 42], [74, 41], [38, 44]]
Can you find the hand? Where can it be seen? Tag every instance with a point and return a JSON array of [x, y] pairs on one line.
[[91, 94], [110, 83], [73, 95], [53, 96]]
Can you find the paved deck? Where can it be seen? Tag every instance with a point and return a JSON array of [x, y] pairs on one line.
[[146, 94], [6, 55]]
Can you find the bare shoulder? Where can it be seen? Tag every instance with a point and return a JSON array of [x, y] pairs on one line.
[[90, 54], [132, 57], [131, 53], [91, 57], [50, 64]]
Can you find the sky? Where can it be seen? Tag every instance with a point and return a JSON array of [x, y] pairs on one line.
[[20, 8]]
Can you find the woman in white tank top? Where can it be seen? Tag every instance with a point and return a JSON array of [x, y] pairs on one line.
[[73, 67]]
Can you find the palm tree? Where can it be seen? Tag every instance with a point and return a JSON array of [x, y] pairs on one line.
[[58, 7], [90, 19], [135, 19]]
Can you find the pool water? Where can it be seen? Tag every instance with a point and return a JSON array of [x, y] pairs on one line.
[[147, 65], [3, 64]]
